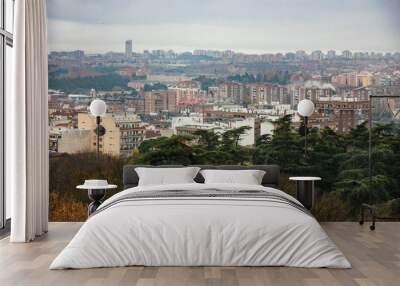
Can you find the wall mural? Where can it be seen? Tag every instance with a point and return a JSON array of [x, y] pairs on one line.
[[188, 94]]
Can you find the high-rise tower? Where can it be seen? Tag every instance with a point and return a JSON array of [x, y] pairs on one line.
[[128, 48]]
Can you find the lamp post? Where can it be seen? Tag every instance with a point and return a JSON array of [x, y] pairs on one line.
[[305, 108], [98, 108]]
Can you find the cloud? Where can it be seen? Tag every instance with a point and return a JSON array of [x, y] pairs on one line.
[[249, 26]]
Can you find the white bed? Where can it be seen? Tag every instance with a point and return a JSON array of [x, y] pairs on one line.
[[202, 231]]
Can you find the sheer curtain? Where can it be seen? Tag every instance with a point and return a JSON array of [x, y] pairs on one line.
[[27, 124]]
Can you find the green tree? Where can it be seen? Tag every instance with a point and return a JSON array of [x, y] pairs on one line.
[[284, 149], [208, 138], [328, 148], [340, 159], [104, 82], [205, 82], [175, 150]]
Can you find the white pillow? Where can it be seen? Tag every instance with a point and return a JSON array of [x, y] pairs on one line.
[[248, 177], [166, 176]]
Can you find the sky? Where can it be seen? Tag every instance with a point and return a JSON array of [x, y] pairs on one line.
[[249, 26]]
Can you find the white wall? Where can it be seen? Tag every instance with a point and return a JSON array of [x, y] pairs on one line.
[[247, 138], [267, 127]]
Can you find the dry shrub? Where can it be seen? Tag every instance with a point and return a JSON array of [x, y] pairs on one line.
[[66, 208], [331, 208]]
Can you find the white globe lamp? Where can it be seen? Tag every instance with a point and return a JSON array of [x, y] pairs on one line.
[[98, 108], [305, 108]]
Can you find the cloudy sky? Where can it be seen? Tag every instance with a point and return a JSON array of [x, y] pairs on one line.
[[251, 26]]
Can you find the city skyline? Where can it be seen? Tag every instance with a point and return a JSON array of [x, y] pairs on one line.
[[260, 27], [338, 53]]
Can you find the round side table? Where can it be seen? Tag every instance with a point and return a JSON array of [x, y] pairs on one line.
[[96, 195], [305, 193]]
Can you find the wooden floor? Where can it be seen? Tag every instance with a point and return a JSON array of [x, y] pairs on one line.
[[375, 257]]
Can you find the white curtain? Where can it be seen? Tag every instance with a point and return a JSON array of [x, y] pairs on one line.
[[27, 124]]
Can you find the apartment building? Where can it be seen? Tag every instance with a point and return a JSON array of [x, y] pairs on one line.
[[191, 129], [353, 79], [71, 141], [189, 95], [188, 84], [310, 91], [331, 54], [220, 115], [230, 90], [124, 132], [267, 94], [361, 93], [347, 54], [341, 116], [317, 55], [128, 48], [136, 104], [249, 138], [365, 79], [159, 101]]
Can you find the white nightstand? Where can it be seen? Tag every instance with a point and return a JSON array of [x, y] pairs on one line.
[[96, 192]]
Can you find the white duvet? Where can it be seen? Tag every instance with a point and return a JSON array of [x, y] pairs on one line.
[[193, 231]]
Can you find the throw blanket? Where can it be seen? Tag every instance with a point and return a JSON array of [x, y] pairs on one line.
[[205, 194]]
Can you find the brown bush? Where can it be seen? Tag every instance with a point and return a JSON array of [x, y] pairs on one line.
[[66, 208], [331, 208], [69, 170]]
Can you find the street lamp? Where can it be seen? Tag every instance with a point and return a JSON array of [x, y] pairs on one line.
[[305, 108], [98, 108]]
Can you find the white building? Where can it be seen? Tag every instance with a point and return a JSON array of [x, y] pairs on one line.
[[193, 119], [189, 125], [71, 141]]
